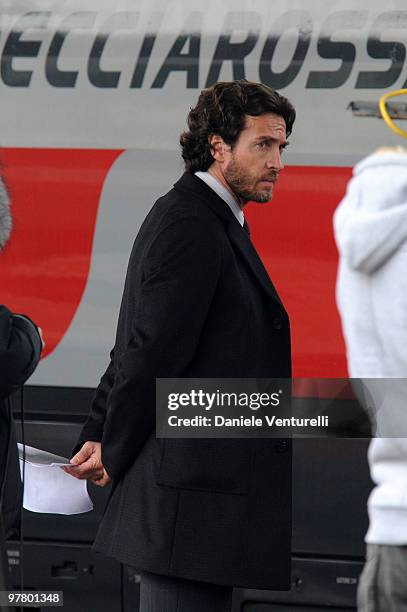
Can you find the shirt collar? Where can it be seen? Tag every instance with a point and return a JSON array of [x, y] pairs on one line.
[[222, 193]]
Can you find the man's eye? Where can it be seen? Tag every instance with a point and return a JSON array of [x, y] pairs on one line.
[[262, 145]]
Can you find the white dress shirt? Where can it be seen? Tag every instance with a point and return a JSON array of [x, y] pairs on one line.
[[222, 193]]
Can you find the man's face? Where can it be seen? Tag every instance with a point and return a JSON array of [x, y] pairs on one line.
[[252, 167]]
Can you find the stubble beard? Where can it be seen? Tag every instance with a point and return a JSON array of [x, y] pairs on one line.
[[240, 183], [6, 222]]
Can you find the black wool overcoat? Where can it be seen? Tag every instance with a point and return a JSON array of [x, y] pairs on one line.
[[197, 302], [20, 350]]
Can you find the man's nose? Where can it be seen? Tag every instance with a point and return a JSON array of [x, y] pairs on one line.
[[275, 161]]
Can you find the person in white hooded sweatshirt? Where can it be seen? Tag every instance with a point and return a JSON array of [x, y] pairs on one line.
[[371, 234]]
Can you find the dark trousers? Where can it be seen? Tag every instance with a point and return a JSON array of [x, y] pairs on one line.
[[167, 594]]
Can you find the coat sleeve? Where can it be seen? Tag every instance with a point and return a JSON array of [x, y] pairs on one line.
[[391, 314], [20, 350], [93, 427], [181, 271]]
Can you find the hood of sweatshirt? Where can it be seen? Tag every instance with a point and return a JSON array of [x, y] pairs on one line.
[[370, 223]]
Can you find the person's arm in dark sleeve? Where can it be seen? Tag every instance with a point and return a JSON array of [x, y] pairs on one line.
[[181, 271], [93, 427], [20, 350]]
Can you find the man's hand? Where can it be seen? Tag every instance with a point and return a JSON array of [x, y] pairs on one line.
[[102, 482], [87, 464]]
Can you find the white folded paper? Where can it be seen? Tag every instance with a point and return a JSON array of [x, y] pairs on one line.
[[49, 489]]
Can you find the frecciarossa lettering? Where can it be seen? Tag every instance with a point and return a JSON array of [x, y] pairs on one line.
[[41, 41]]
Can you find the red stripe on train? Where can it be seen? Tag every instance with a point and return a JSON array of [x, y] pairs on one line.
[[55, 199]]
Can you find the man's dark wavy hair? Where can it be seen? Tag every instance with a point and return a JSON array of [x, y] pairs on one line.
[[222, 109]]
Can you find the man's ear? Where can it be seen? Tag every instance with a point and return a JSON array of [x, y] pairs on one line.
[[218, 147]]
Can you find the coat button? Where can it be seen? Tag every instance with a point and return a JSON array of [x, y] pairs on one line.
[[281, 447], [277, 323]]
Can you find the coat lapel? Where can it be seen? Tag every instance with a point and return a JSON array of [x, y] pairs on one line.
[[242, 242], [236, 233]]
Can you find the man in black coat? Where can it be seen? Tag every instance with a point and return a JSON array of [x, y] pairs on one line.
[[198, 516], [20, 350]]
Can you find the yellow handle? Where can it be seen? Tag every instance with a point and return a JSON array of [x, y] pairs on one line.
[[385, 114]]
